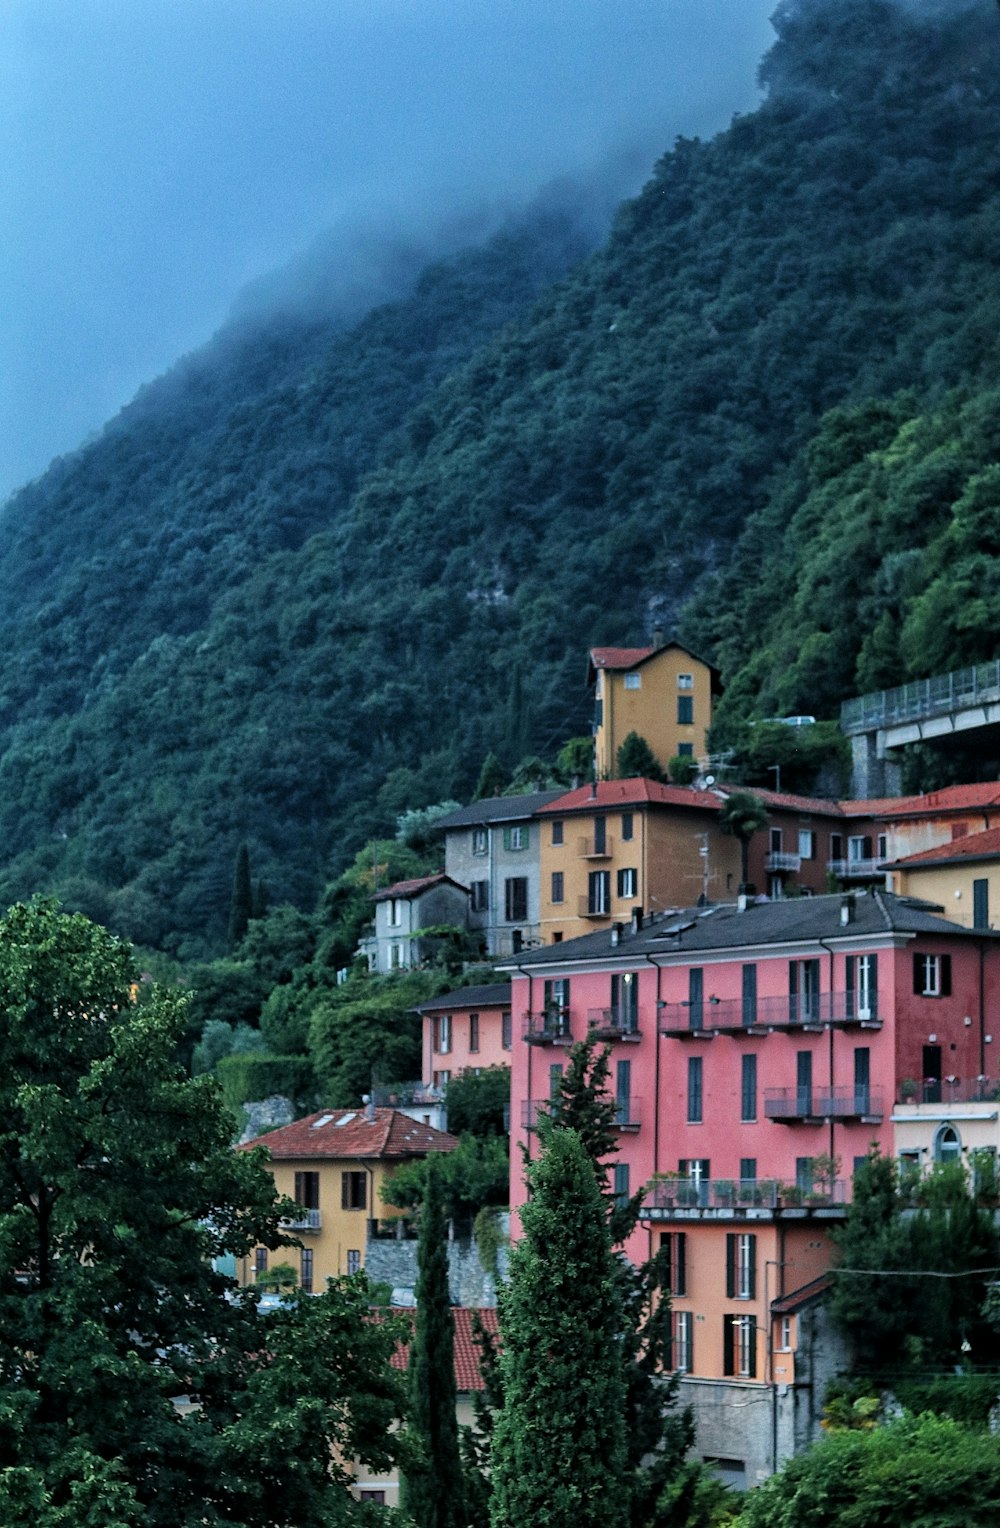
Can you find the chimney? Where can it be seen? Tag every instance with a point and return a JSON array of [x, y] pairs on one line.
[[617, 929], [658, 636], [636, 919], [741, 902], [847, 910], [369, 1108]]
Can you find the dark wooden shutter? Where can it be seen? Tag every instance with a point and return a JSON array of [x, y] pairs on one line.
[[752, 1268], [679, 1286], [752, 1346], [728, 1366], [945, 975], [730, 1266], [918, 974]]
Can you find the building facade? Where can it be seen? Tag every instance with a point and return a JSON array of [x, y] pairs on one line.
[[403, 911], [663, 693], [492, 848], [465, 1030]]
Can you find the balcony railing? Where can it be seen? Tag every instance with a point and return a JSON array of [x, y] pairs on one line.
[[777, 861], [855, 869], [790, 1104], [670, 1196], [592, 907], [408, 1095], [613, 1024], [551, 1027], [628, 1112], [922, 698], [592, 848], [303, 1220], [950, 1090], [752, 1016]]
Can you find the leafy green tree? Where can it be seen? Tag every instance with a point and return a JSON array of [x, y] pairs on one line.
[[922, 1470], [636, 758], [681, 769], [743, 814], [474, 1175], [118, 1188], [492, 778], [364, 1033], [575, 760], [241, 904], [478, 1103], [220, 1039], [559, 1453], [415, 827], [433, 1489]]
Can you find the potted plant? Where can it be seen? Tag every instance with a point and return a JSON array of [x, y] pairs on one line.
[[908, 1090]]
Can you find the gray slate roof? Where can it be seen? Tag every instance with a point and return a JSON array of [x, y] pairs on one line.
[[495, 995], [700, 929], [498, 809]]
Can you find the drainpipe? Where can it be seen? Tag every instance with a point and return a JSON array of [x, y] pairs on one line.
[[829, 950], [523, 972], [982, 1008], [656, 1067]]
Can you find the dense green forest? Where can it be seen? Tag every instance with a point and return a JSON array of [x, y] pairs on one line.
[[314, 575]]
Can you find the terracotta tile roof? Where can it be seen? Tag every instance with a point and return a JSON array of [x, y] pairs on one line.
[[783, 800], [385, 1134], [808, 1294], [953, 798], [637, 792], [467, 1375], [973, 847], [619, 657], [405, 889]]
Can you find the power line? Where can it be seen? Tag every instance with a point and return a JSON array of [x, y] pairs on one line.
[[910, 1273]]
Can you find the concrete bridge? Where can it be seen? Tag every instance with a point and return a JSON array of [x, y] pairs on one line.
[[928, 708]]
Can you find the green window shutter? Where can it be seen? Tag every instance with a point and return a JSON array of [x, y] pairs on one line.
[[730, 1266]]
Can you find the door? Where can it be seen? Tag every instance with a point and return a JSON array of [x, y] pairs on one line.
[[862, 1080], [932, 1074], [696, 989], [804, 1082]]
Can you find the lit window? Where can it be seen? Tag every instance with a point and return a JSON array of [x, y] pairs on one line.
[[354, 1262], [633, 681], [480, 840], [932, 975], [683, 1324], [685, 681], [807, 844], [628, 883], [442, 1033]]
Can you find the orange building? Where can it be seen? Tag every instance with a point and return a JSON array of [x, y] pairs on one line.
[[663, 693], [617, 845]]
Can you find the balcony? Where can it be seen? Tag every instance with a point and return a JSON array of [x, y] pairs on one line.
[[594, 849], [777, 862], [949, 1090], [613, 1024], [628, 1113], [551, 1027], [789, 1106], [303, 1220], [592, 907], [736, 1016], [855, 869], [684, 1198]]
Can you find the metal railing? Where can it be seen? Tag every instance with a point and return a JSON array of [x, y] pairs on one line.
[[950, 1090], [774, 860], [592, 848], [612, 1023], [303, 1220], [667, 1196], [854, 869], [593, 907], [628, 1112], [735, 1014], [860, 1102], [922, 698], [551, 1027]]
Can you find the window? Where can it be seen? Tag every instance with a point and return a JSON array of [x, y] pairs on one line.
[[696, 989], [600, 835], [685, 681], [698, 1171], [862, 986], [394, 907], [480, 902], [556, 1000], [748, 1105], [685, 750], [774, 840], [749, 996], [836, 846], [685, 710], [623, 1092], [353, 1191], [633, 681], [555, 1082], [683, 1334], [785, 1334], [625, 1001], [306, 1274], [807, 844], [775, 888], [557, 936], [628, 827], [557, 832], [377, 1498], [803, 1082], [862, 1080], [739, 1346], [882, 842], [748, 1169], [515, 898], [858, 849], [558, 886], [442, 1033], [307, 1190], [804, 1174], [673, 1245], [981, 904], [694, 1090], [260, 1261], [516, 836], [473, 1031], [628, 883], [932, 975], [354, 1262], [947, 1144], [599, 892], [480, 840], [803, 991], [741, 1266], [441, 1080], [397, 956], [505, 1031], [621, 1181]]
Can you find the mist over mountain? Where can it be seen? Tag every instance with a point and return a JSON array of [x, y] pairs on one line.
[[312, 575]]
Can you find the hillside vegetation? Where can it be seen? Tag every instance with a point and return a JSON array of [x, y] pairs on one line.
[[310, 579]]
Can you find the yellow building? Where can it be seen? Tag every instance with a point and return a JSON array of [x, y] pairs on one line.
[[334, 1165], [663, 693], [963, 877], [616, 845]]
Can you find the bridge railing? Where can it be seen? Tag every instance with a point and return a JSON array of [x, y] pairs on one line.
[[922, 698]]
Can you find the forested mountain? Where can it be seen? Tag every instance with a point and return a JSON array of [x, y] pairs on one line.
[[310, 578]]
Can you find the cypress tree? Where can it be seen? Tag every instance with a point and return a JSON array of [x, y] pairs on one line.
[[433, 1491], [559, 1458], [241, 906]]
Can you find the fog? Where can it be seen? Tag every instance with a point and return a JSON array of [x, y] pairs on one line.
[[164, 156]]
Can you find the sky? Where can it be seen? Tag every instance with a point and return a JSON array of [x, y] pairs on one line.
[[161, 156]]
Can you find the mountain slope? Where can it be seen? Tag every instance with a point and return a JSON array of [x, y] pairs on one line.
[[429, 560]]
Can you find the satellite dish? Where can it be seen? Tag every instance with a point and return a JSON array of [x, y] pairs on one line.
[[709, 779]]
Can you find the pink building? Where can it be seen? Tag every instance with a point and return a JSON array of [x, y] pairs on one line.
[[755, 1057], [465, 1030]]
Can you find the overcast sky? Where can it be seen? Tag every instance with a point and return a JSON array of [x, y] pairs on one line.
[[158, 155]]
